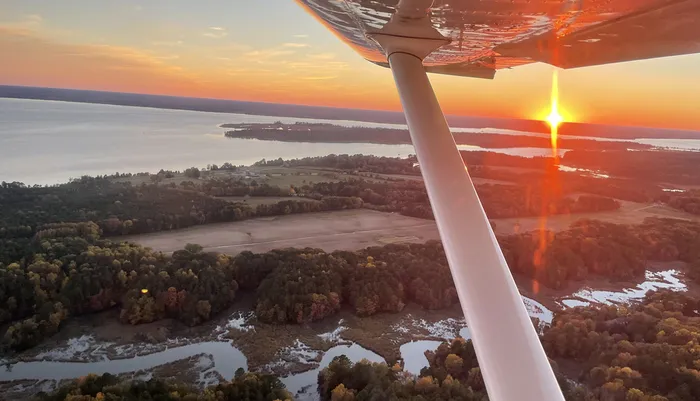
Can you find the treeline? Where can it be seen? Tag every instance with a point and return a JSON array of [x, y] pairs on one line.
[[645, 351], [452, 374], [500, 201], [69, 270], [639, 352], [656, 166], [300, 286], [120, 208], [576, 182], [366, 163], [243, 387], [592, 247], [687, 202], [309, 285], [534, 173], [328, 133]]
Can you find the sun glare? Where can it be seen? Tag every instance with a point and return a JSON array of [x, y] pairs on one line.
[[554, 118]]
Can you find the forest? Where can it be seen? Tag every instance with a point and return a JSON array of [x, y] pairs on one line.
[[69, 270], [119, 208], [639, 352], [534, 173], [499, 200], [245, 386], [632, 184], [687, 202], [651, 165], [646, 351]]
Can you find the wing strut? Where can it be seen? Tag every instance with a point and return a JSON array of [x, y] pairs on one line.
[[511, 357]]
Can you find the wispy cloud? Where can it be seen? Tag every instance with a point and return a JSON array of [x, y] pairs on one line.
[[33, 19], [296, 45], [27, 22], [266, 54], [301, 36], [215, 32], [73, 65], [320, 78], [322, 56], [167, 43]]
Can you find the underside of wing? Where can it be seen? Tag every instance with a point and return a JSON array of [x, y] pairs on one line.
[[488, 35]]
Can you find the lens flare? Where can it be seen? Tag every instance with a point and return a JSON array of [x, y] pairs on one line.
[[550, 185], [554, 118]]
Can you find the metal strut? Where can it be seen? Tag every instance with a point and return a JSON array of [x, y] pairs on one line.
[[511, 357]]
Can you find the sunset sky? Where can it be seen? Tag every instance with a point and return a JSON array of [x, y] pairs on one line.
[[273, 51]]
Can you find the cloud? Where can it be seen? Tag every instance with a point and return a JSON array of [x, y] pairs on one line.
[[266, 54], [40, 61], [297, 45], [33, 19], [166, 43], [27, 22], [301, 36], [308, 65], [215, 32], [322, 56], [320, 78]]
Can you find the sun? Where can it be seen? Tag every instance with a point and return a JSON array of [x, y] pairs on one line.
[[554, 118]]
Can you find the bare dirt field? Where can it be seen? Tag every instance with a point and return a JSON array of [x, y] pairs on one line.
[[330, 231], [356, 229]]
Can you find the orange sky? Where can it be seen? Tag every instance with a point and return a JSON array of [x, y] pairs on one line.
[[222, 52]]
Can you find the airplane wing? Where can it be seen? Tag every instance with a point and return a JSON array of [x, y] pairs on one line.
[[475, 38], [489, 35]]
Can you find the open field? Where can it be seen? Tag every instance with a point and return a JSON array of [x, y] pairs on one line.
[[629, 213], [347, 229], [356, 229], [476, 180]]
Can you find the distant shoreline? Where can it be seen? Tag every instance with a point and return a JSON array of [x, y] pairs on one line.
[[327, 113], [331, 133]]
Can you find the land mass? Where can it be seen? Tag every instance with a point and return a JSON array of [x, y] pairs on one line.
[[116, 245], [329, 133]]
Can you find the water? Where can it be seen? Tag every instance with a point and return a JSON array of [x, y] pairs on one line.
[[47, 142], [692, 145], [306, 381], [227, 360], [413, 354], [667, 279]]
